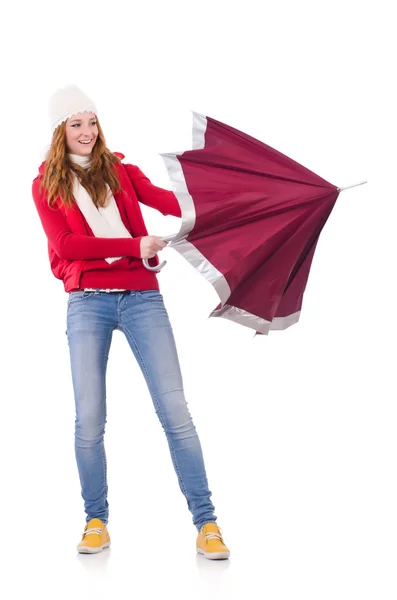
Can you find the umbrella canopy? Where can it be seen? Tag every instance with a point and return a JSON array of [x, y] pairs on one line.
[[251, 219]]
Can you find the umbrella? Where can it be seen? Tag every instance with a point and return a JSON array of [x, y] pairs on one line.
[[251, 220]]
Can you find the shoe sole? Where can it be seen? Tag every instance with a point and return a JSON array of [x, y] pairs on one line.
[[89, 550], [213, 555]]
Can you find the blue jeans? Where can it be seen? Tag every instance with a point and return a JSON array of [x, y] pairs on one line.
[[92, 316]]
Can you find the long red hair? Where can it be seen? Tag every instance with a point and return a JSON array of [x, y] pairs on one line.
[[60, 170]]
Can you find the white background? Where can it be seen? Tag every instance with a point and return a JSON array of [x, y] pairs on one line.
[[298, 427]]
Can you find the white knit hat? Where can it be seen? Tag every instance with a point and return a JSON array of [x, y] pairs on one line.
[[66, 102]]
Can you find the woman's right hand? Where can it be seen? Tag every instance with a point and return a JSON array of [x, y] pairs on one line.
[[150, 245]]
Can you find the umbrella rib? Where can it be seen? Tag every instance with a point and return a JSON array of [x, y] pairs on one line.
[[259, 174], [254, 219], [299, 260]]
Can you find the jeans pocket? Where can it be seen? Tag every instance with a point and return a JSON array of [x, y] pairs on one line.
[[150, 295], [79, 295]]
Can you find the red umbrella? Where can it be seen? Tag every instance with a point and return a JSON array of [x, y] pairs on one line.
[[251, 219]]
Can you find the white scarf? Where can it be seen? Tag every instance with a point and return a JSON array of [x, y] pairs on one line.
[[104, 222]]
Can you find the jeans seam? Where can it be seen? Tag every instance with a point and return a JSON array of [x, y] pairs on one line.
[[106, 357], [154, 395]]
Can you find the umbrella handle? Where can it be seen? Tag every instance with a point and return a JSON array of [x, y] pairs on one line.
[[156, 268], [165, 238]]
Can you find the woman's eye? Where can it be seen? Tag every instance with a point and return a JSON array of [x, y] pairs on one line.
[[78, 124]]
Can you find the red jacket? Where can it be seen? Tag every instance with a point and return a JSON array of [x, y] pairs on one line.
[[78, 257]]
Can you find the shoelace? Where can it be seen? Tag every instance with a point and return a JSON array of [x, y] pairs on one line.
[[212, 534], [97, 530]]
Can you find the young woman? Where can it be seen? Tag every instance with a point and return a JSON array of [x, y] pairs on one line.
[[87, 201]]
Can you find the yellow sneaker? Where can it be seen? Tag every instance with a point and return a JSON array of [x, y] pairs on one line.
[[210, 542], [95, 537]]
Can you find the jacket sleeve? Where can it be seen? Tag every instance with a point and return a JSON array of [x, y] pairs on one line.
[[163, 200], [73, 246]]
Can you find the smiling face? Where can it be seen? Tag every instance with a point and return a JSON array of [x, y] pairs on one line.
[[81, 133]]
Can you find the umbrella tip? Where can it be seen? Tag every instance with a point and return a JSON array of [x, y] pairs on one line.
[[340, 189]]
